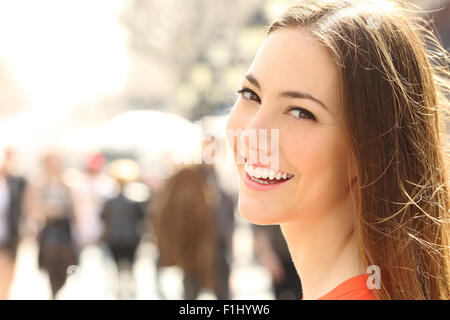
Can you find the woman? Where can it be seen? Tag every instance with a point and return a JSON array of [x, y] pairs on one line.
[[54, 204], [362, 178], [184, 229]]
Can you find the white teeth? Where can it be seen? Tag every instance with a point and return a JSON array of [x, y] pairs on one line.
[[257, 172], [252, 171], [265, 173]]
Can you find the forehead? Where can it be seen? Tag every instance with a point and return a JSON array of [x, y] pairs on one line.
[[290, 59]]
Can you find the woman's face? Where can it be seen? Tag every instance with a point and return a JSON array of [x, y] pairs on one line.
[[292, 85]]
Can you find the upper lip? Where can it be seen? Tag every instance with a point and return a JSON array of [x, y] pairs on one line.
[[258, 164]]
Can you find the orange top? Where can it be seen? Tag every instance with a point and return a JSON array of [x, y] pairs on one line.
[[354, 288]]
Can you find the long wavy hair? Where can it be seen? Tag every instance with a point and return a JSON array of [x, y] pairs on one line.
[[394, 85], [184, 225]]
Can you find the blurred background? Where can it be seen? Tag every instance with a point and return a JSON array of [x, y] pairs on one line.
[[100, 102]]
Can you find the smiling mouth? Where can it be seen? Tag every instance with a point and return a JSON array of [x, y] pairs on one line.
[[266, 176]]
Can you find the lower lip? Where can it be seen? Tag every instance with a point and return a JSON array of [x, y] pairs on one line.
[[261, 187]]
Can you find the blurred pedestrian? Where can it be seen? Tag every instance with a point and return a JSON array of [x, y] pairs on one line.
[[12, 189], [91, 190], [123, 219], [186, 233], [57, 249]]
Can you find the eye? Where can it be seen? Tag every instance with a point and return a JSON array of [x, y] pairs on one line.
[[249, 94], [301, 113]]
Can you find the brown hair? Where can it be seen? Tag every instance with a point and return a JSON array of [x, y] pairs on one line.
[[394, 81], [183, 223]]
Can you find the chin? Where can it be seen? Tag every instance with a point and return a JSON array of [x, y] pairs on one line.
[[258, 211]]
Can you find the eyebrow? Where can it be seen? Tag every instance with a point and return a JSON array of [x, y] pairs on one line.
[[289, 94]]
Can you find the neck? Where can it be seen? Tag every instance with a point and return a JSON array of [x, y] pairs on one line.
[[325, 252]]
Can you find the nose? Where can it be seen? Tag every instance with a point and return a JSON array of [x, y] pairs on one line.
[[259, 140]]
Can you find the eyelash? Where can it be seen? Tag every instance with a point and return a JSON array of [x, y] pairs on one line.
[[304, 111]]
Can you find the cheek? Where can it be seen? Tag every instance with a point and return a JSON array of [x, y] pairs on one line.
[[320, 158]]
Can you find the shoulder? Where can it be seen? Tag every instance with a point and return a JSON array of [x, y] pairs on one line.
[[358, 294], [354, 288]]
